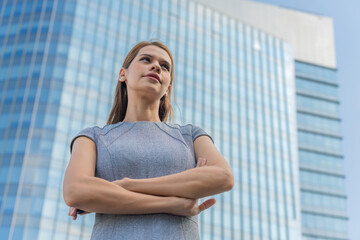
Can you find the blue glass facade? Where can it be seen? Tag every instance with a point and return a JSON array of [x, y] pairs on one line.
[[322, 179], [31, 80], [238, 83], [59, 64]]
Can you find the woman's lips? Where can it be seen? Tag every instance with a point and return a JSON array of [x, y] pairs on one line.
[[151, 77]]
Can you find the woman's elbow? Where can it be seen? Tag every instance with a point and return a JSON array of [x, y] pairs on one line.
[[69, 195], [229, 180]]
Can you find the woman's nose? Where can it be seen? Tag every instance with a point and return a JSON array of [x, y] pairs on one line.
[[156, 67]]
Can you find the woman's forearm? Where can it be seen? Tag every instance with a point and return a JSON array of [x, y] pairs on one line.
[[193, 183], [93, 194]]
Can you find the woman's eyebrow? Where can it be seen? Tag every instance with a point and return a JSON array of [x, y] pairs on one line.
[[145, 54]]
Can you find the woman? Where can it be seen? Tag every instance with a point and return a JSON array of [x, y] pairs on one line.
[[139, 173]]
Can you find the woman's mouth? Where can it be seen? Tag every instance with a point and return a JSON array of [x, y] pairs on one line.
[[153, 76]]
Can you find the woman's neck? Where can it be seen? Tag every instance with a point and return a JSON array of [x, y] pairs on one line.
[[142, 112]]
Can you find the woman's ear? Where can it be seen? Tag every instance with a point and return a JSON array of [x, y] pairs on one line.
[[168, 89], [122, 77]]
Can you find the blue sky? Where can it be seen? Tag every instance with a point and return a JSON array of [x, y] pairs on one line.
[[347, 39]]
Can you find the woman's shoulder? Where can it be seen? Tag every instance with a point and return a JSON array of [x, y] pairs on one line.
[[189, 129], [94, 131], [193, 130], [185, 128], [179, 126]]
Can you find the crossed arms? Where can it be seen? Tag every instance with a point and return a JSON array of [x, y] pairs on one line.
[[138, 196], [192, 183]]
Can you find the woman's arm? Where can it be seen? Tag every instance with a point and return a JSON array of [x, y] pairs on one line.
[[195, 183], [174, 205], [134, 203], [82, 190], [98, 195]]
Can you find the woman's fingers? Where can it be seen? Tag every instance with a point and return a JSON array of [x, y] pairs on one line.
[[207, 204], [73, 213], [201, 162], [70, 211], [74, 216], [198, 164]]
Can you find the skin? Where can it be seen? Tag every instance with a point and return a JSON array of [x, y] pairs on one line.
[[143, 103], [192, 202], [143, 93]]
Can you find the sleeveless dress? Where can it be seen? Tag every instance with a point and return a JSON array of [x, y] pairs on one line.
[[143, 150]]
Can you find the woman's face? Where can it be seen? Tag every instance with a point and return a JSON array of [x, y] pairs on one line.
[[149, 60]]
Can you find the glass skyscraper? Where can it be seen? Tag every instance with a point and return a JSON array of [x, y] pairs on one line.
[[323, 200], [274, 118]]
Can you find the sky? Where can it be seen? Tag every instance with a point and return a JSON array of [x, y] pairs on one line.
[[347, 40]]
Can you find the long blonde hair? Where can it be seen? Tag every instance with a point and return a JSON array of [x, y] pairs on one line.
[[118, 111]]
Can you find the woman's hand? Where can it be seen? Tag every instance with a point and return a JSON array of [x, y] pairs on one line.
[[73, 213], [190, 207], [201, 162]]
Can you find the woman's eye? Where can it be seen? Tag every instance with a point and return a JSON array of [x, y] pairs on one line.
[[164, 65]]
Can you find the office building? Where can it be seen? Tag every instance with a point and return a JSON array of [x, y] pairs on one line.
[[267, 98], [321, 165]]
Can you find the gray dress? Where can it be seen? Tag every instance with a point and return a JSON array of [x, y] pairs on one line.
[[143, 150]]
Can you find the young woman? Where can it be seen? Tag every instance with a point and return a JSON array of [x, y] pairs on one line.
[[138, 173]]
